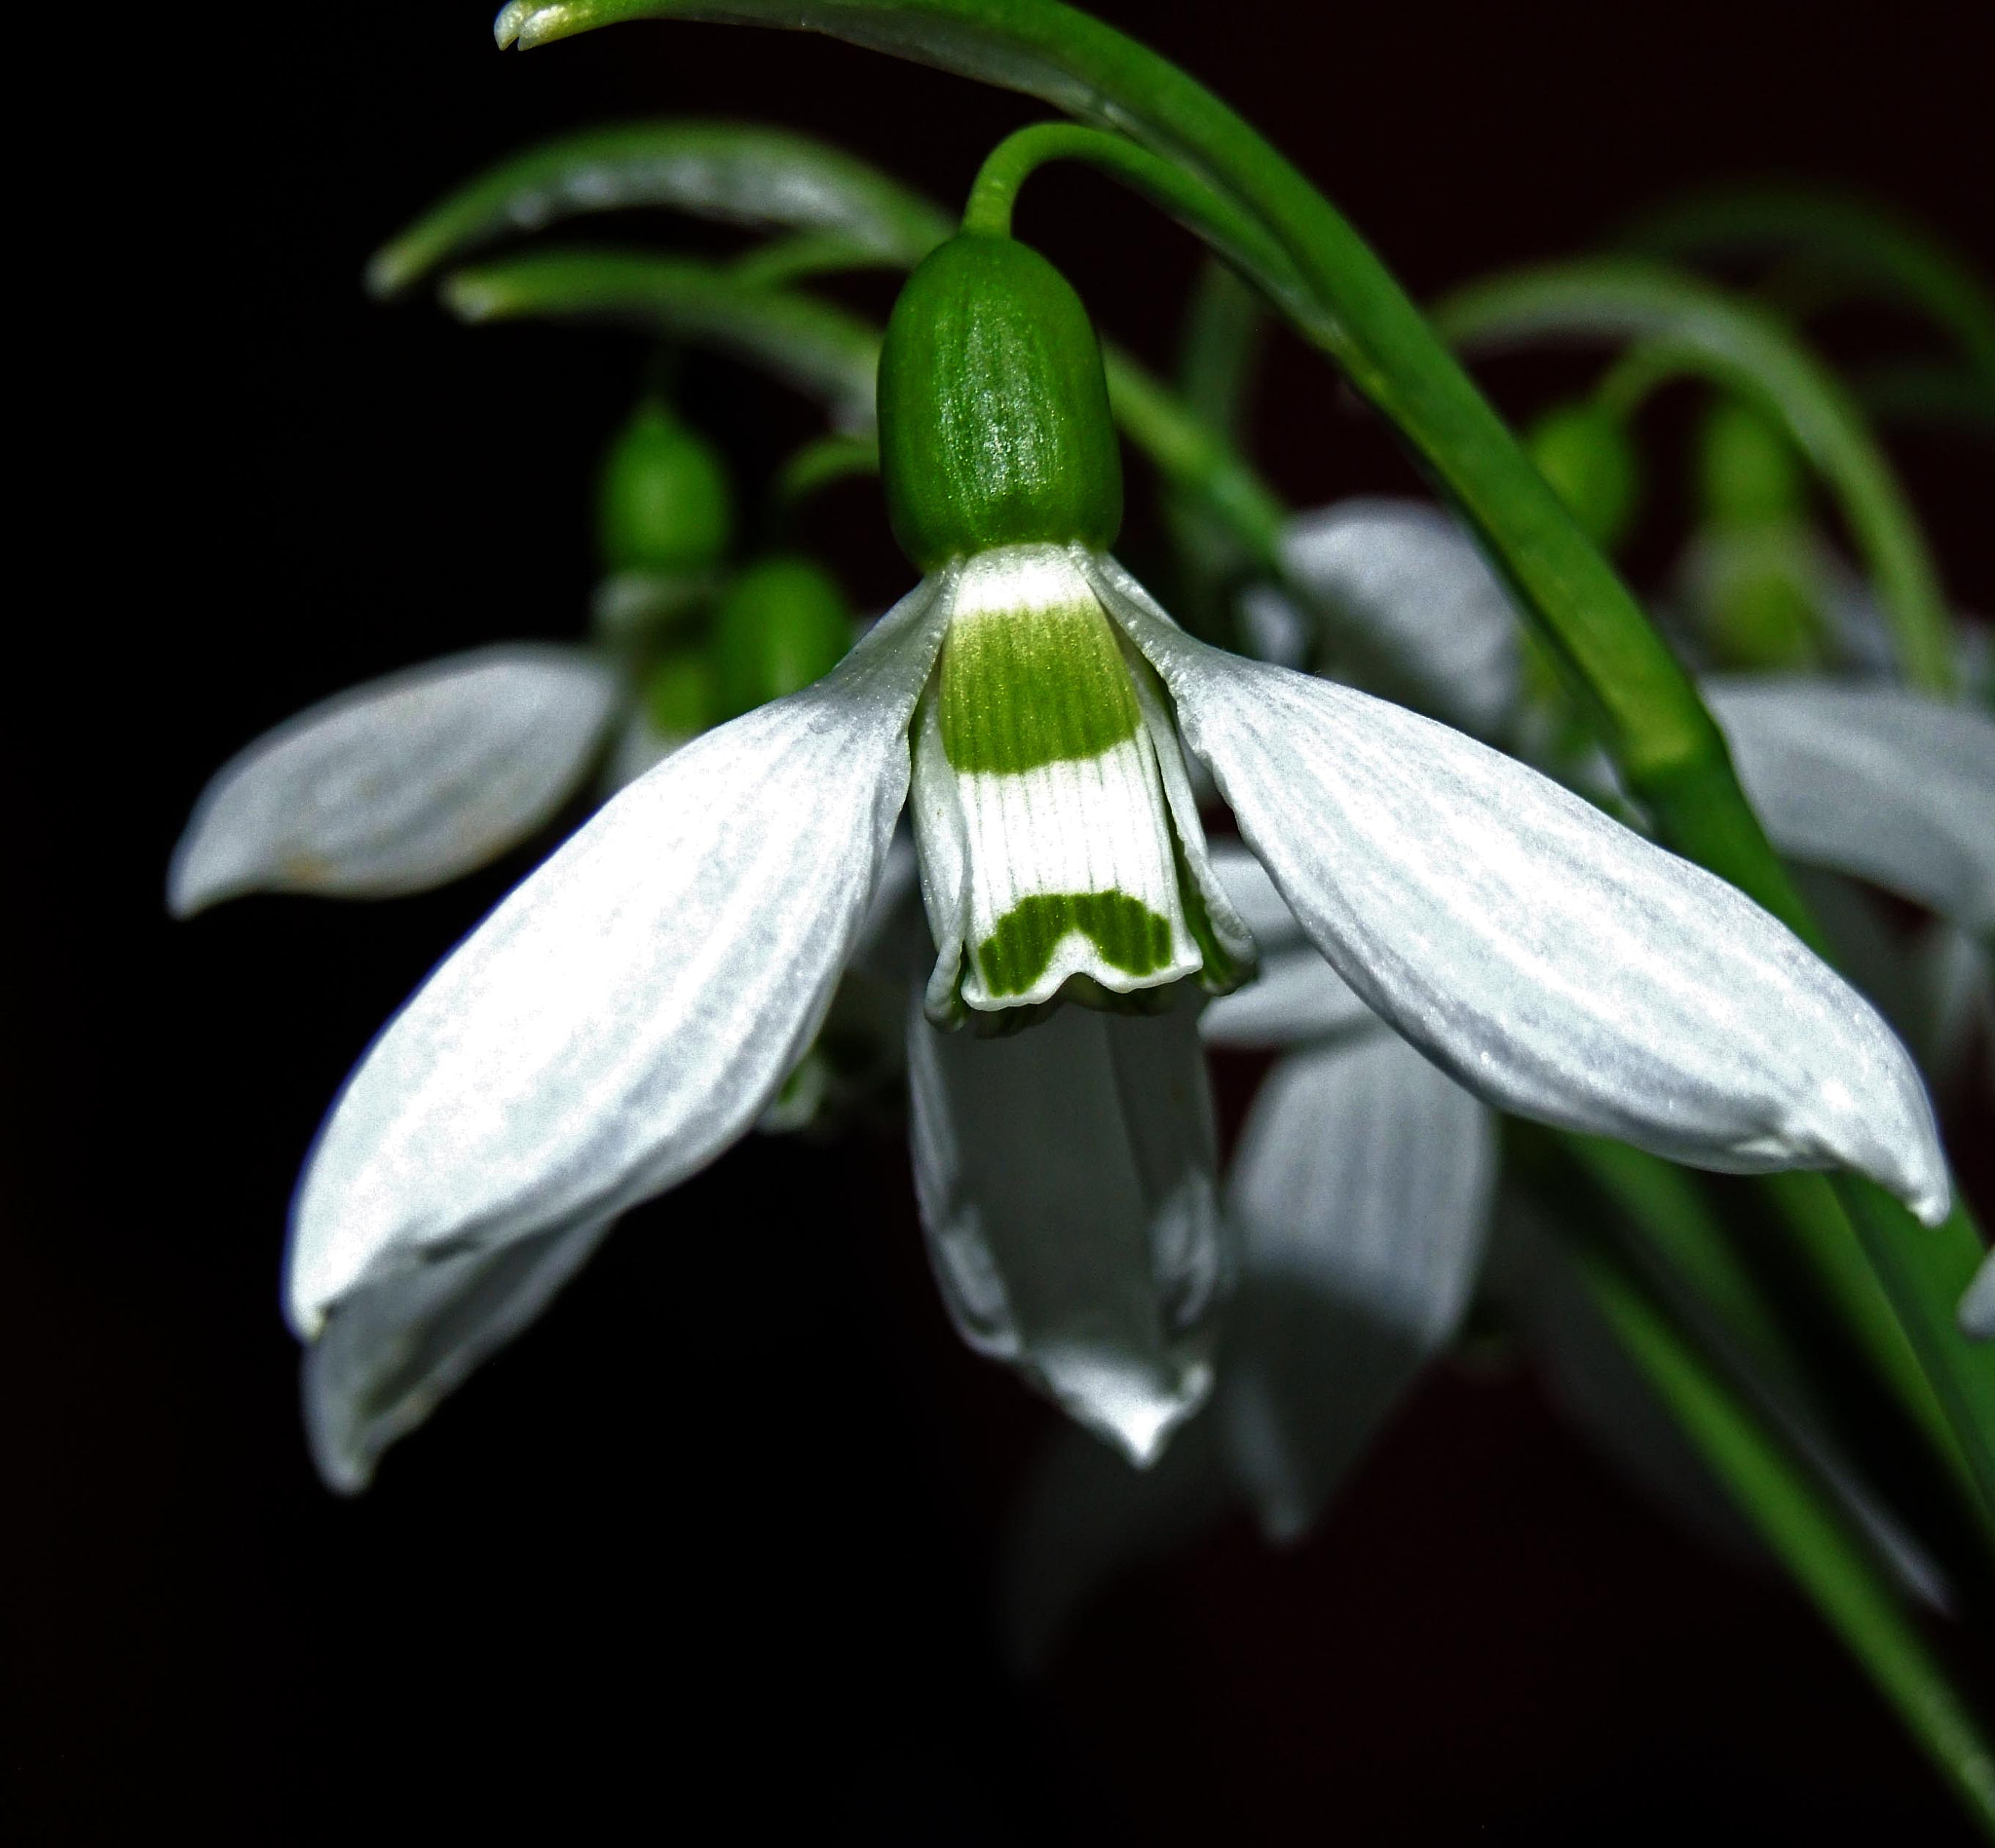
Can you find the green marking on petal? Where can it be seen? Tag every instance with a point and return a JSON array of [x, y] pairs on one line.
[[1125, 933], [1022, 687]]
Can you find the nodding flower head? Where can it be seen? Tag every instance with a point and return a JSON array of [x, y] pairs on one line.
[[633, 1007]]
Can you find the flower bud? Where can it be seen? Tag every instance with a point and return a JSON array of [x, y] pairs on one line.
[[663, 503], [679, 700], [782, 623], [1583, 451], [1747, 474], [995, 427]]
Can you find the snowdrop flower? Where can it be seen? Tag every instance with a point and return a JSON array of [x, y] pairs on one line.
[[633, 1006]]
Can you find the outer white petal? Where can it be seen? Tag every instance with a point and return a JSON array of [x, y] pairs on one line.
[[1875, 781], [1410, 581], [399, 784], [1554, 962], [1977, 1305], [1065, 1175], [1361, 1191], [390, 1353], [627, 1013]]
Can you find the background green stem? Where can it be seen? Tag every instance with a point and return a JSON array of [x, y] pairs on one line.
[[1691, 328], [1859, 243]]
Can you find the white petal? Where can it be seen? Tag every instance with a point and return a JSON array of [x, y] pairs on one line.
[[1361, 1192], [1298, 998], [399, 784], [1885, 783], [1065, 1175], [1977, 1305], [1554, 962], [1410, 581], [1263, 909], [625, 1014], [390, 1352]]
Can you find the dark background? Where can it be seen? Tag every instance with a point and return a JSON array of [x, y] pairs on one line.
[[711, 1548]]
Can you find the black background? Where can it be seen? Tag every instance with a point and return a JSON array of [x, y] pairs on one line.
[[711, 1550]]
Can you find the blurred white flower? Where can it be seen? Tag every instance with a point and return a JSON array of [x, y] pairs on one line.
[[403, 783]]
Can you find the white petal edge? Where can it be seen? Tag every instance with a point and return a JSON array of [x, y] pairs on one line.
[[1296, 999], [1406, 576], [1553, 961], [1065, 1175], [628, 1011], [1297, 996], [1977, 1304], [391, 1352], [1362, 1194], [1888, 784], [401, 784]]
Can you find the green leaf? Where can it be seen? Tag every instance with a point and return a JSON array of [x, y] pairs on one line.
[[822, 351], [737, 173]]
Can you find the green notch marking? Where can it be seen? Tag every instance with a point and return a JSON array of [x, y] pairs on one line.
[[1032, 687], [1126, 934]]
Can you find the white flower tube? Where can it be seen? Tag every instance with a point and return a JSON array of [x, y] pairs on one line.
[[1065, 1176]]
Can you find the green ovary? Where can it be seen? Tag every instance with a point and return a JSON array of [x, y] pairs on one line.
[[1030, 687], [1126, 934]]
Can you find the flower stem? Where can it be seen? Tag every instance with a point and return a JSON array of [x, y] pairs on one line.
[[1238, 237]]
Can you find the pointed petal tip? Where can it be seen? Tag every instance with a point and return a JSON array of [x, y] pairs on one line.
[[1135, 1415]]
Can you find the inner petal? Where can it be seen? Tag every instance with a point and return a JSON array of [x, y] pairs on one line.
[[1071, 876]]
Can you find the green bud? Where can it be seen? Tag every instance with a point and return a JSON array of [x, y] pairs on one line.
[[1760, 598], [1583, 451], [995, 427], [664, 502], [679, 695], [1747, 474], [781, 624]]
